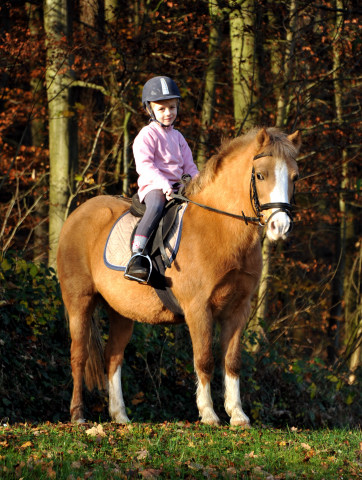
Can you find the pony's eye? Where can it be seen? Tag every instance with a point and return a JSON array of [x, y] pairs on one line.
[[295, 177], [259, 176]]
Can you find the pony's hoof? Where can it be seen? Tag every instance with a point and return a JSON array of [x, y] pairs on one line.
[[210, 419], [240, 420], [239, 423], [121, 419], [78, 420]]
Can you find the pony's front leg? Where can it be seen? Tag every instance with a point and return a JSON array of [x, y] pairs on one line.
[[201, 336], [120, 332], [230, 338]]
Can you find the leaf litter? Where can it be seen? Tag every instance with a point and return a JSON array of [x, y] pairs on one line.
[[163, 451]]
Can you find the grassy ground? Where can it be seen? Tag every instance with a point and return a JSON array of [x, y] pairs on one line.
[[176, 450]]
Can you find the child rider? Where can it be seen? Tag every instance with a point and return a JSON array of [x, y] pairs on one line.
[[162, 156]]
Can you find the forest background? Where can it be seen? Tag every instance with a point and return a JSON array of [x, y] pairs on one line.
[[70, 87]]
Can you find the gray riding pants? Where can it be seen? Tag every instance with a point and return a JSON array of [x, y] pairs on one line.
[[154, 201]]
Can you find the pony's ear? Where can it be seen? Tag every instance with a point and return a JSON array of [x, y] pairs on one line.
[[296, 139], [262, 138]]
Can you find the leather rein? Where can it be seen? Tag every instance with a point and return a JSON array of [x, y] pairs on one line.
[[254, 199]]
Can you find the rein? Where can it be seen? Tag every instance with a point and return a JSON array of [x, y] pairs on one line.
[[254, 199]]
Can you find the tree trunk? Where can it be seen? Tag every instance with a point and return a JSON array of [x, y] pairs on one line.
[[60, 148], [210, 79], [37, 128], [243, 59], [119, 118], [341, 277], [284, 94], [260, 318]]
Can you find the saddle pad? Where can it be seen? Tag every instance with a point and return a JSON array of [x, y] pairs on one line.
[[117, 250]]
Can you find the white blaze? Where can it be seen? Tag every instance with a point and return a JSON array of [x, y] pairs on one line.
[[280, 222]]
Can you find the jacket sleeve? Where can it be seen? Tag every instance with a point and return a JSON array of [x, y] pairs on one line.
[[144, 147], [189, 165]]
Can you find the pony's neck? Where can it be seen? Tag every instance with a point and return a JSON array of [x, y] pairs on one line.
[[230, 189], [229, 192]]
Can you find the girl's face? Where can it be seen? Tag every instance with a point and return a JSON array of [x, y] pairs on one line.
[[165, 111]]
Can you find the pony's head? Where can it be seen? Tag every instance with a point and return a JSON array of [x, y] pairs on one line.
[[275, 172]]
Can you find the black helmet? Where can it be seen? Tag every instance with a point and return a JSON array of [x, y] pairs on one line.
[[159, 88]]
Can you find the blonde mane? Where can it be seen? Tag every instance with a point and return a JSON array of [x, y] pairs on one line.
[[278, 145]]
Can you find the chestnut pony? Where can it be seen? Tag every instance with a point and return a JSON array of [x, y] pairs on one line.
[[213, 277]]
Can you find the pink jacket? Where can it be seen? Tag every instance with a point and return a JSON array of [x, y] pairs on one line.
[[162, 156]]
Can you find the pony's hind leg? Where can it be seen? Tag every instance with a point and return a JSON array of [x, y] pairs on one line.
[[201, 335], [79, 311], [231, 330], [120, 332]]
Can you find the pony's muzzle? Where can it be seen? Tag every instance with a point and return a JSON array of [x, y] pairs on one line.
[[279, 224]]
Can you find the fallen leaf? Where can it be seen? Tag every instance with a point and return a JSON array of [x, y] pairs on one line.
[[309, 455], [26, 445], [51, 473], [262, 473], [150, 473], [251, 455], [77, 464], [142, 454], [305, 446], [95, 431]]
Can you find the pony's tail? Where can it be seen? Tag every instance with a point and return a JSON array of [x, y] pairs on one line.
[[94, 376]]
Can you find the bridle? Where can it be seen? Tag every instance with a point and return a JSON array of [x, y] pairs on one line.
[[254, 200], [280, 206]]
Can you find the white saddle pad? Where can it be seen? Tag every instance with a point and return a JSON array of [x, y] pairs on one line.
[[117, 250]]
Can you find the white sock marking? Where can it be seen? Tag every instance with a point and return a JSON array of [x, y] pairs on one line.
[[117, 409]]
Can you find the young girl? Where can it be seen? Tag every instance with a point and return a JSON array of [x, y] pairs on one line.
[[162, 156]]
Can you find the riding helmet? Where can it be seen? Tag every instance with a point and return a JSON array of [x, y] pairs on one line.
[[159, 88]]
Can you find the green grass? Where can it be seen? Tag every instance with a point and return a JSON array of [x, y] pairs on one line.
[[176, 450]]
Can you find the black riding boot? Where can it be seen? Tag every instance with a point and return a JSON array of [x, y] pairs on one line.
[[138, 268]]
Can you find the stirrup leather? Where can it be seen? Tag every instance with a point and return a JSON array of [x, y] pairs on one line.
[[129, 264]]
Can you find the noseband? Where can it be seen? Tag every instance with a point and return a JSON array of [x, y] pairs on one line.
[[254, 200], [279, 206]]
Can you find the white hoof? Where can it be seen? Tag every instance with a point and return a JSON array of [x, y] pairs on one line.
[[239, 419], [80, 421], [209, 417], [120, 417]]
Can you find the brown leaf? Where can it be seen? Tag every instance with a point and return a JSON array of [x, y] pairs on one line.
[[251, 455], [150, 473], [51, 473]]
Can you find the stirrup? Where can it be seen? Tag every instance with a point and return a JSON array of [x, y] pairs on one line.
[[132, 277]]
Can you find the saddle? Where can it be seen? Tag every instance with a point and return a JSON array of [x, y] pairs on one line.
[[161, 247], [156, 249]]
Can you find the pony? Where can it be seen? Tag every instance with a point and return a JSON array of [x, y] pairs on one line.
[[246, 189]]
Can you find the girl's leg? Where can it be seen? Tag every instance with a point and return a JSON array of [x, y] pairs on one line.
[[155, 201]]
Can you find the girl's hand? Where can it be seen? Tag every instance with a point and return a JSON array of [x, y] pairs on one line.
[[168, 194]]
